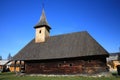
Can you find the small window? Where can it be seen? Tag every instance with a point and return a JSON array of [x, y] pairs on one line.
[[59, 65], [29, 64], [85, 60], [83, 66], [40, 31], [71, 65], [64, 61], [89, 61]]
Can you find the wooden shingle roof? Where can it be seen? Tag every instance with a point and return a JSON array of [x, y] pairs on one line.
[[62, 46], [43, 21]]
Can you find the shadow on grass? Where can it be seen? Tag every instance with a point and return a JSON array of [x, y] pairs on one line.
[[116, 75]]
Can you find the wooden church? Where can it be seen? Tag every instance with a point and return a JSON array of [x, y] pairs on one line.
[[73, 53]]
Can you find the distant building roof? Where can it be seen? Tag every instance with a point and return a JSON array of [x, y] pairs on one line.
[[115, 53], [3, 62], [113, 56], [62, 46]]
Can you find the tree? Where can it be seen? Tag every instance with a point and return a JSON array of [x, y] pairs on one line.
[[0, 57], [9, 56]]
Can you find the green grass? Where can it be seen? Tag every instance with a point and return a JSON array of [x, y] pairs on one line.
[[12, 76]]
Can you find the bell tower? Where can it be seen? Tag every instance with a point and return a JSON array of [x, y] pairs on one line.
[[42, 29]]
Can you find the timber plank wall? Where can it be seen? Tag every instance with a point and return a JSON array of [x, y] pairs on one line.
[[85, 65]]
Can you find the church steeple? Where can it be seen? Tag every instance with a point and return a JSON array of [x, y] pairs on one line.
[[42, 29], [43, 21]]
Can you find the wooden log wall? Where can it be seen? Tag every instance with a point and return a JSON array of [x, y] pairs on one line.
[[71, 66]]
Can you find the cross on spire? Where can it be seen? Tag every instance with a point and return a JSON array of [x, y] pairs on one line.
[[42, 4]]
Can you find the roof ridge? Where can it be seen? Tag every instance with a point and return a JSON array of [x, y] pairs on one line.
[[68, 33]]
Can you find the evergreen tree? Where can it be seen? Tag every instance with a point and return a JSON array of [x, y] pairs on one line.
[[9, 56], [0, 57]]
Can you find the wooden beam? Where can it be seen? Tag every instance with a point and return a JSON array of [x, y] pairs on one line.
[[20, 66], [15, 66]]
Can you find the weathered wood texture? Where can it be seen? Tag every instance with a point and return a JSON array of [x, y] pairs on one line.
[[85, 65]]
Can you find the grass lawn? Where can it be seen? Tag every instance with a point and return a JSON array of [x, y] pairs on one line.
[[12, 76]]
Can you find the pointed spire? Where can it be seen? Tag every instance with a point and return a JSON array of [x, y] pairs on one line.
[[43, 21]]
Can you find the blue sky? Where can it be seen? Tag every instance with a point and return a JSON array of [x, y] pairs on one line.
[[101, 18]]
